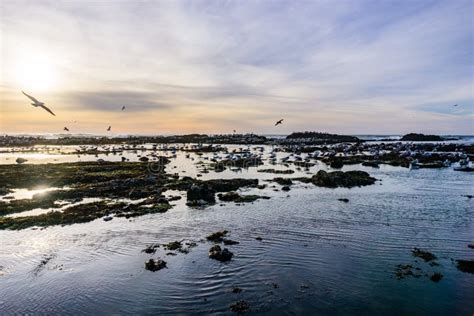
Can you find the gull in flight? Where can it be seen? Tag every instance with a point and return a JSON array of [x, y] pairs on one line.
[[66, 129], [37, 103], [455, 105], [108, 129], [279, 122]]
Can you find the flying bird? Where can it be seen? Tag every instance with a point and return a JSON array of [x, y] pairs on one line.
[[123, 107], [279, 122], [66, 129], [37, 103], [108, 129], [455, 105]]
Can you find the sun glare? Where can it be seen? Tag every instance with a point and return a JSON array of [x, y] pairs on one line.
[[35, 74]]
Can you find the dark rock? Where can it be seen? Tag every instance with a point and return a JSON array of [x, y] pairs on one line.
[[150, 249], [239, 307], [413, 137], [344, 200], [259, 238], [425, 255], [155, 265], [21, 160], [201, 192], [470, 246], [336, 164], [217, 236], [228, 242], [236, 290], [436, 277], [347, 179], [223, 255], [465, 265], [372, 164], [285, 188], [287, 171], [283, 181], [235, 197], [143, 159]]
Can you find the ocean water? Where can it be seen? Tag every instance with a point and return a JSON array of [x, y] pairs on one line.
[[317, 256]]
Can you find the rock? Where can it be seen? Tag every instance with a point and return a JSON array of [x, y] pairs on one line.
[[108, 218], [344, 200], [21, 160], [217, 236], [283, 181], [287, 171], [236, 290], [223, 255], [336, 164], [227, 185], [413, 137], [372, 164], [143, 159], [436, 277], [470, 246], [155, 265], [239, 307], [425, 255], [259, 238], [174, 245], [150, 249], [465, 265], [347, 179], [285, 188], [201, 192], [228, 242], [235, 197]]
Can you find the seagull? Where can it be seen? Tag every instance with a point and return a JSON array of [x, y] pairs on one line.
[[38, 103], [123, 107], [279, 122], [66, 129], [455, 105], [108, 129]]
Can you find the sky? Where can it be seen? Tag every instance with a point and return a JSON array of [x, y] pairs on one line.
[[339, 66]]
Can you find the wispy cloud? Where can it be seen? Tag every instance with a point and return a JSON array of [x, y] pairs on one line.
[[380, 66]]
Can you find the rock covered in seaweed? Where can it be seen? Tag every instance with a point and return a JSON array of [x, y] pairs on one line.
[[217, 253], [346, 179]]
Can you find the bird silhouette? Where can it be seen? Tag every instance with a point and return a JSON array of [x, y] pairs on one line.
[[279, 122], [66, 129], [37, 103], [455, 105], [108, 129], [123, 107]]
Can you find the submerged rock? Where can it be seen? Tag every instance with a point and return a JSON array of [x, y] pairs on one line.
[[425, 255], [336, 164], [223, 255], [287, 171], [236, 290], [465, 265], [436, 277], [344, 200], [239, 307], [155, 265], [228, 242]]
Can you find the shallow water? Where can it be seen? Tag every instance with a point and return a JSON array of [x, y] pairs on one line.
[[324, 255]]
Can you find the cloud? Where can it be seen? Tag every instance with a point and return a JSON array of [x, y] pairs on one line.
[[114, 100], [254, 60]]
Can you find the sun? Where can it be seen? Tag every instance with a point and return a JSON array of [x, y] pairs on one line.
[[35, 73]]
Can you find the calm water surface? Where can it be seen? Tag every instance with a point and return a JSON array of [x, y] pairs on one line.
[[318, 255]]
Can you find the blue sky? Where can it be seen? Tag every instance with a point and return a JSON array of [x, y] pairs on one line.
[[214, 66]]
